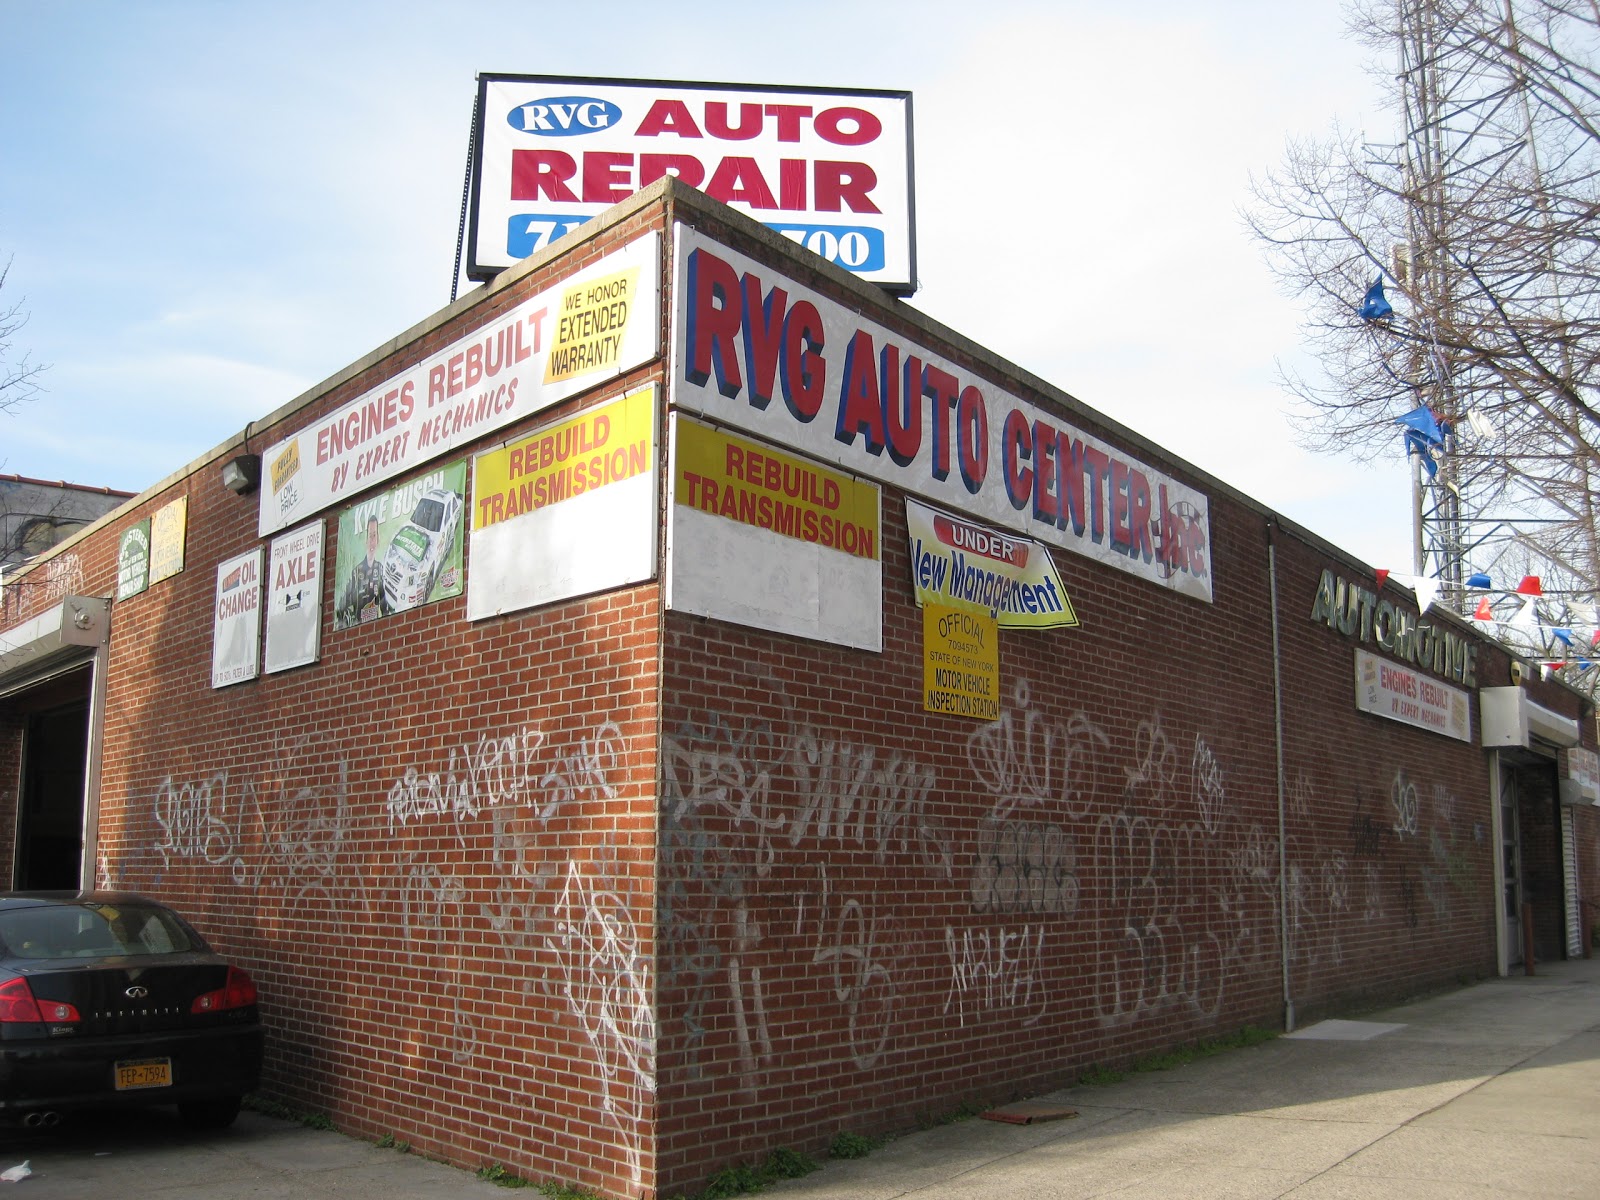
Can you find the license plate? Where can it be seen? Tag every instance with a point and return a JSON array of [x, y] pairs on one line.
[[144, 1073]]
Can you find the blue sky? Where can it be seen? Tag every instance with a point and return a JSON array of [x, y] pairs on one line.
[[211, 207]]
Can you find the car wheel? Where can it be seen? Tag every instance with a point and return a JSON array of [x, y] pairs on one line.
[[216, 1113]]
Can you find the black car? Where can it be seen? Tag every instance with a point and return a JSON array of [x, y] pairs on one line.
[[110, 999]]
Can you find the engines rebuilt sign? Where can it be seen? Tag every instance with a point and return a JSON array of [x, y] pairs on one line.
[[565, 340], [828, 168]]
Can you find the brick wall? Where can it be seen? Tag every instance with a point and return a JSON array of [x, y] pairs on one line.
[[618, 897], [433, 848]]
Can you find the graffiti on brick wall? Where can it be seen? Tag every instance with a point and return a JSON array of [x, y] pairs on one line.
[[489, 772], [736, 793], [1403, 796], [605, 977], [1028, 760], [42, 587], [504, 771], [1024, 867], [291, 831], [853, 941], [996, 970], [1182, 882]]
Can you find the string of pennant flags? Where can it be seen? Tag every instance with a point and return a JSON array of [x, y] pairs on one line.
[[1557, 646], [1579, 643]]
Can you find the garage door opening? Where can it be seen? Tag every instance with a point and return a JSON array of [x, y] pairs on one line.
[[53, 720]]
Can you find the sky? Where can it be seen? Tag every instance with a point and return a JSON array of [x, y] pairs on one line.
[[209, 208]]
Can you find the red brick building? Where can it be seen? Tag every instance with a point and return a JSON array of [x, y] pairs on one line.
[[637, 723]]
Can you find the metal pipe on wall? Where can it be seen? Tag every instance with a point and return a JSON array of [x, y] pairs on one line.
[[1277, 728]]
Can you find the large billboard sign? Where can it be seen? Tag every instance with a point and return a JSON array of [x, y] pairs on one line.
[[827, 168], [585, 330], [758, 351]]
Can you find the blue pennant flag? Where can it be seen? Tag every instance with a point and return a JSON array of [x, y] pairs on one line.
[[1424, 450], [1564, 635], [1420, 419], [1375, 307], [1479, 580]]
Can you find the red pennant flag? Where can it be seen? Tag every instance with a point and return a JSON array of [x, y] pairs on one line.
[[1484, 613], [1595, 640], [1530, 586], [1382, 575]]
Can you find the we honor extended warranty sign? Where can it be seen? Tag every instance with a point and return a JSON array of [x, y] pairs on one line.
[[827, 168]]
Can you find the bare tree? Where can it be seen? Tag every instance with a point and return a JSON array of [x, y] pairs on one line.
[[19, 377], [1483, 219]]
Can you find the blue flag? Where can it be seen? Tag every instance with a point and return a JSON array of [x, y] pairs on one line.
[[1375, 307]]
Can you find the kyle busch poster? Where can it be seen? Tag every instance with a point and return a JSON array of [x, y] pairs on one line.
[[400, 548]]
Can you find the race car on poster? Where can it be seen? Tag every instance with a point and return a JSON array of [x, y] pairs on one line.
[[416, 554]]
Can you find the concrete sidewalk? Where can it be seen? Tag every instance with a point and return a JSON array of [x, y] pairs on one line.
[[1491, 1091]]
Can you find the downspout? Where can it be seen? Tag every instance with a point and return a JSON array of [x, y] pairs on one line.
[[1277, 724]]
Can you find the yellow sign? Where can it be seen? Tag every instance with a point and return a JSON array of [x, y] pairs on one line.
[[960, 663], [756, 485], [591, 324], [285, 466], [601, 446], [167, 529]]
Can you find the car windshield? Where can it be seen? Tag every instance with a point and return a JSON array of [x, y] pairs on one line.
[[91, 930], [429, 515]]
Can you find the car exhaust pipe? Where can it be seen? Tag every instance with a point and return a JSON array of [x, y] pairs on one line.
[[42, 1120]]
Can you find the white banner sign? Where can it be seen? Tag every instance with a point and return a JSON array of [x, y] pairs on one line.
[[236, 621], [1389, 689], [583, 331], [294, 598], [756, 350], [567, 510], [827, 168]]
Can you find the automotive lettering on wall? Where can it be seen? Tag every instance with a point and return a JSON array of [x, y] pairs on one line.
[[754, 349], [401, 548], [1387, 689], [236, 620], [565, 340], [827, 168], [167, 529], [294, 598], [961, 564], [1360, 613], [771, 540], [568, 510], [960, 663], [133, 560]]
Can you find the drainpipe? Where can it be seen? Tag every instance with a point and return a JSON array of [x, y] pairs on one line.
[[1277, 723]]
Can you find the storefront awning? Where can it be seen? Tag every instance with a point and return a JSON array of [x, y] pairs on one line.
[[57, 639]]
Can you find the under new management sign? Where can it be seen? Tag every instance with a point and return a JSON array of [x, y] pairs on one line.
[[827, 168]]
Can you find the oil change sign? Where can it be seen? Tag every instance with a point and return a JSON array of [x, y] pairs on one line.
[[961, 663], [827, 168], [581, 332]]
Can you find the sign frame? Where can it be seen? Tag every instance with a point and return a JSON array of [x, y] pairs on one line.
[[838, 233]]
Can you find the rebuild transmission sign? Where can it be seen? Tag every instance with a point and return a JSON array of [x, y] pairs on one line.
[[827, 168]]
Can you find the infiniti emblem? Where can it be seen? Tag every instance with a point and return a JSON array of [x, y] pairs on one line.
[[137, 993]]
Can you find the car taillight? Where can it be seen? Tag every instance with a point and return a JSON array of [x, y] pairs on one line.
[[238, 992], [17, 1005]]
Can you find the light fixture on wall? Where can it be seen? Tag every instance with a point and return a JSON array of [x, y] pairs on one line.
[[242, 474]]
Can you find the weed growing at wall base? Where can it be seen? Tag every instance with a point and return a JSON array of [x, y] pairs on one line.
[[274, 1108], [742, 1180], [1250, 1035]]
